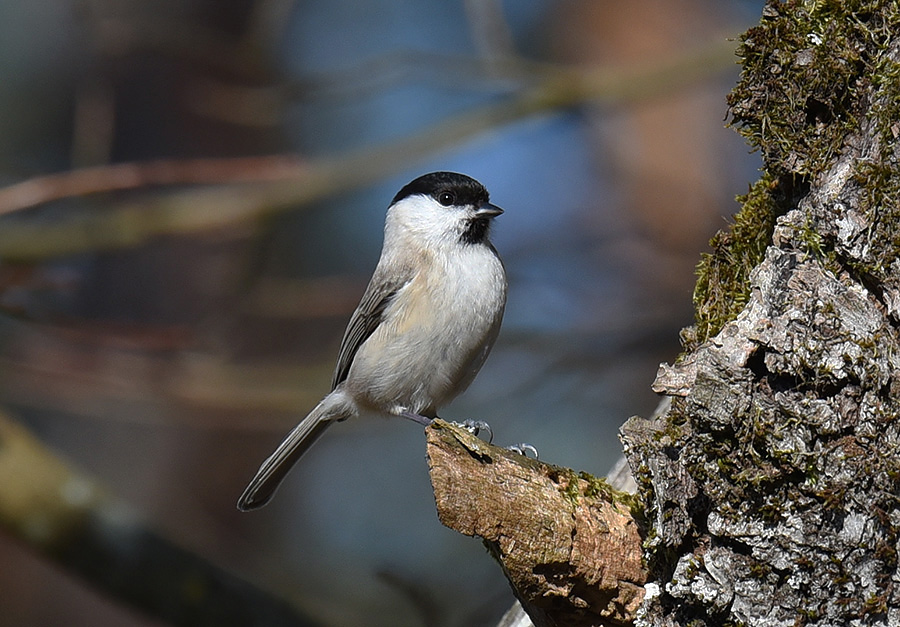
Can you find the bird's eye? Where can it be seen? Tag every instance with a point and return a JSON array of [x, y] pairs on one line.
[[446, 198]]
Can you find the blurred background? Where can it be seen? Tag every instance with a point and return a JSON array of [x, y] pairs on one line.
[[163, 326]]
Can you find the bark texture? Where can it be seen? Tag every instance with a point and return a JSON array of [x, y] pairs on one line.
[[771, 485], [566, 541]]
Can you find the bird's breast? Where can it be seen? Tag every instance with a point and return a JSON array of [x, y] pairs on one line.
[[436, 332]]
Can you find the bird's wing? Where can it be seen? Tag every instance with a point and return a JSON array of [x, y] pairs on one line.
[[368, 315]]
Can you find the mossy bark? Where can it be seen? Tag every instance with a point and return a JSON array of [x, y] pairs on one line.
[[771, 484]]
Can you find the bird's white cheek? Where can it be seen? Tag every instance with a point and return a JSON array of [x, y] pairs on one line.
[[424, 220]]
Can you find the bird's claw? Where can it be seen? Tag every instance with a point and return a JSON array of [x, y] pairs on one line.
[[477, 426], [522, 449]]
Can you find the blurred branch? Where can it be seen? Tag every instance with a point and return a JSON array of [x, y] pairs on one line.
[[97, 381], [567, 541], [388, 69], [127, 176], [292, 184], [56, 511]]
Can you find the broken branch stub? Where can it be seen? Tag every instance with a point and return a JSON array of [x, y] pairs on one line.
[[567, 542]]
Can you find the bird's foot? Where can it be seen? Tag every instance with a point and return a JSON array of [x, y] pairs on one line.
[[523, 449], [475, 427]]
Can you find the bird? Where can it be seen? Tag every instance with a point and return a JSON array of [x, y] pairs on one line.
[[424, 326]]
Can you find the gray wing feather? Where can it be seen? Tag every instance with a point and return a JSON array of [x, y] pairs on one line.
[[368, 315]]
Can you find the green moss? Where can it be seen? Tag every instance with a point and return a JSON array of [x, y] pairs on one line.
[[876, 604], [806, 83], [880, 181], [575, 486], [804, 69], [567, 480], [810, 241], [885, 111], [723, 285], [760, 570], [597, 487], [833, 496], [808, 614], [886, 553]]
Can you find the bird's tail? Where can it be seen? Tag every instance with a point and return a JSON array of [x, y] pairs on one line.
[[272, 471]]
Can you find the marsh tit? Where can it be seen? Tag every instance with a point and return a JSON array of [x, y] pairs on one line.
[[424, 326]]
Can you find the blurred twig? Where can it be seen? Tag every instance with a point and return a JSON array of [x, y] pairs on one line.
[[226, 205], [63, 514]]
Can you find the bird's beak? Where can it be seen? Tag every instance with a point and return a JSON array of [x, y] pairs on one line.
[[488, 210]]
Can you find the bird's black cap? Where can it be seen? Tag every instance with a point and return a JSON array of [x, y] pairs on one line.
[[465, 189]]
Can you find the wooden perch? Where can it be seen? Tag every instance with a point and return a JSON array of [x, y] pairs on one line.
[[567, 541]]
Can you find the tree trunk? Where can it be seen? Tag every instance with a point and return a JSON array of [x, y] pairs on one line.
[[771, 485]]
